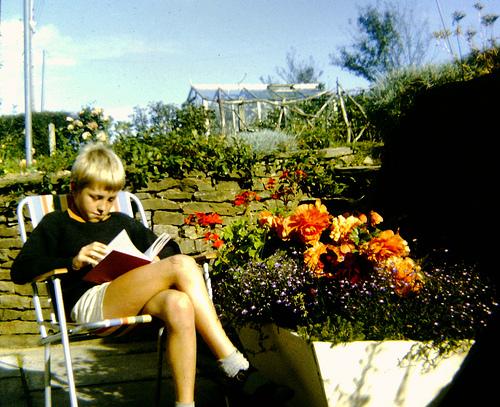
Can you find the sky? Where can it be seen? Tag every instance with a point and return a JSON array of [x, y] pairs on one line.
[[119, 54]]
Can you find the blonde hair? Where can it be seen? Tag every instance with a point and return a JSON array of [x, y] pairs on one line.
[[97, 163]]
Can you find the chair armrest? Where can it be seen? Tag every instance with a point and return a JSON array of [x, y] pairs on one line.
[[205, 257], [49, 274]]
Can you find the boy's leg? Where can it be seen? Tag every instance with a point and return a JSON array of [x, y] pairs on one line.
[[176, 310], [129, 293], [178, 272]]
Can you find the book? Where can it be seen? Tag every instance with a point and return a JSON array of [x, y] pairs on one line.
[[123, 256]]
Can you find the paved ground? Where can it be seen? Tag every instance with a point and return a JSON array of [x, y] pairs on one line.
[[108, 373]]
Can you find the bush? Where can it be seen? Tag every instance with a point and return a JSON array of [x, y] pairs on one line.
[[176, 154], [266, 141], [13, 141]]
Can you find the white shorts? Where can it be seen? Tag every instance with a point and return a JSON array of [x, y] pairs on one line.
[[89, 308]]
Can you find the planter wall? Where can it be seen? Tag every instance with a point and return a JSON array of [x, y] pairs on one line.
[[354, 374]]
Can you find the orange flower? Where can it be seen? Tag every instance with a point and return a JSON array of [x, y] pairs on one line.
[[266, 218], [341, 227], [387, 244], [343, 249], [406, 274], [274, 222], [312, 257], [375, 218], [308, 222]]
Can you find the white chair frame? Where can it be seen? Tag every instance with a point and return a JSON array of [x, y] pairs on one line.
[[64, 330]]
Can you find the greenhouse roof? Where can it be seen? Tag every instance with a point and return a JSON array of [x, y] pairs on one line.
[[253, 92]]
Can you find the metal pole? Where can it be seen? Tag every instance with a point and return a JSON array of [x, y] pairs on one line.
[[27, 81], [42, 98]]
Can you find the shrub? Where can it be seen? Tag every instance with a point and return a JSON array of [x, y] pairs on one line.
[[266, 141]]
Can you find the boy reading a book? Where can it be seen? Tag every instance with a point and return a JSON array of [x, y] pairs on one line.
[[171, 288]]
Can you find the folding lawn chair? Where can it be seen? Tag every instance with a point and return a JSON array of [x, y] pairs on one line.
[[57, 329]]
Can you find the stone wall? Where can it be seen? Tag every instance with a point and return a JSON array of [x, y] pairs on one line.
[[167, 204]]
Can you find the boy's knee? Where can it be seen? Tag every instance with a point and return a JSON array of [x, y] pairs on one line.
[[184, 262], [179, 308], [179, 302]]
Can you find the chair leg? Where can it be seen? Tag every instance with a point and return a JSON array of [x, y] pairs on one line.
[[162, 335], [47, 377], [61, 317]]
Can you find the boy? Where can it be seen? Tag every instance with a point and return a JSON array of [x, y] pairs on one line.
[[171, 289]]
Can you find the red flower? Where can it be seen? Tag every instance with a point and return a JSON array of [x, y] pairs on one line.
[[285, 174], [217, 243], [271, 182], [246, 197], [208, 219], [190, 220], [214, 238]]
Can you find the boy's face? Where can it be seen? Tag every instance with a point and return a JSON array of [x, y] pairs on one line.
[[94, 202]]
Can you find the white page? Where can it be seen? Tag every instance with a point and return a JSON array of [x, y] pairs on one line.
[[122, 243]]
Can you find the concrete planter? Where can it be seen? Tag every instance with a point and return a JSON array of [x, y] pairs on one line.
[[354, 374]]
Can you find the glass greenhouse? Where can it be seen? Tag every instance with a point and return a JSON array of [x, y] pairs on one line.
[[239, 107]]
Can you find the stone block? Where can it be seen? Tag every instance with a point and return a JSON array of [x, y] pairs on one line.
[[10, 243], [193, 207], [15, 302], [176, 195], [225, 209], [8, 231], [164, 184], [335, 152], [153, 204], [196, 184], [18, 327], [216, 196], [7, 287], [228, 186], [168, 218], [10, 315], [173, 231], [187, 246]]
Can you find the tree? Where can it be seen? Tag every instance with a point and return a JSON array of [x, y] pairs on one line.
[[387, 39], [296, 71]]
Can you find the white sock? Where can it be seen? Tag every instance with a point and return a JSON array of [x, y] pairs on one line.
[[179, 404], [233, 363]]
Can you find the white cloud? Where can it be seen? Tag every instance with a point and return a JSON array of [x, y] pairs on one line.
[[63, 55], [11, 71]]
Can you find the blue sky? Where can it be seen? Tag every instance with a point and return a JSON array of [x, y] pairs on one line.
[[117, 54]]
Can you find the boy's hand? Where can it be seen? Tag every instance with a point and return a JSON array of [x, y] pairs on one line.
[[90, 254]]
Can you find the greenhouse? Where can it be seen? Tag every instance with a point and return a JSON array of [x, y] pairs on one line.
[[239, 107]]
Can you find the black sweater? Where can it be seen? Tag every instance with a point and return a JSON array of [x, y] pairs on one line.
[[58, 238]]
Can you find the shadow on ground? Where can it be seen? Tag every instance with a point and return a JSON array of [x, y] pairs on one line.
[[117, 373]]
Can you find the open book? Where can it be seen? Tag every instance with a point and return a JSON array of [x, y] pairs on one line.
[[123, 256]]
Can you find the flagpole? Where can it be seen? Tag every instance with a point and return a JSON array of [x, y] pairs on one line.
[[27, 82]]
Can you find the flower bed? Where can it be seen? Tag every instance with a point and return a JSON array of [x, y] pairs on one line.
[[341, 277]]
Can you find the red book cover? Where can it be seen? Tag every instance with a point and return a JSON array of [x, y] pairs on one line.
[[123, 256], [113, 265]]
